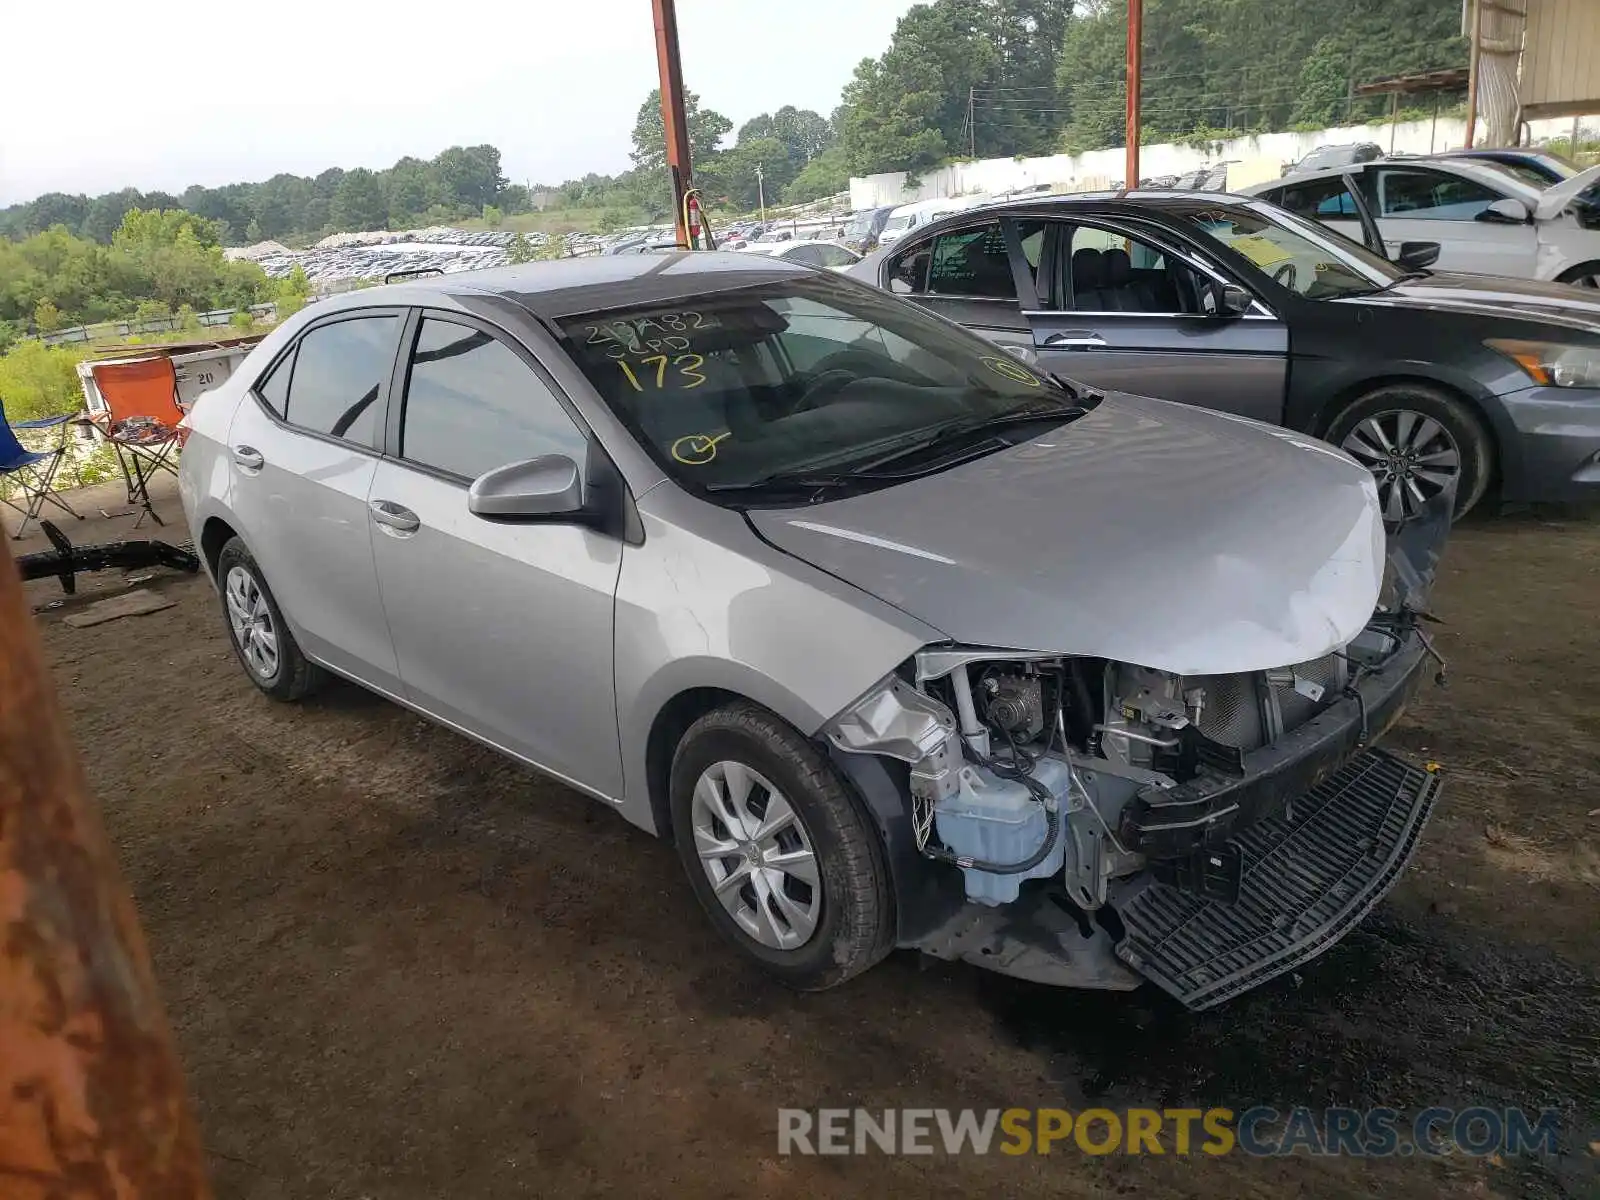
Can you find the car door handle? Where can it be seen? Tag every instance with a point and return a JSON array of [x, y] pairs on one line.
[[248, 457], [1074, 339], [395, 517]]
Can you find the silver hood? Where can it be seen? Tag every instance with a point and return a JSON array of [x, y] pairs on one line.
[[1146, 532]]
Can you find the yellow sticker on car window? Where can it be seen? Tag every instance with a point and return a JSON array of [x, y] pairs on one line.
[[1011, 369], [697, 449], [1260, 250]]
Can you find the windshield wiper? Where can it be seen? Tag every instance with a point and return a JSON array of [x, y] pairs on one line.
[[959, 431]]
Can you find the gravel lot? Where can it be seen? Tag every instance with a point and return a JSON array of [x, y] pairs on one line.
[[400, 966]]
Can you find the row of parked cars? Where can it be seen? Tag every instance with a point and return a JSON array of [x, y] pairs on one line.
[[1035, 598]]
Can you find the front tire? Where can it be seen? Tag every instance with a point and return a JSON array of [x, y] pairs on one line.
[[1415, 439], [780, 855], [257, 631]]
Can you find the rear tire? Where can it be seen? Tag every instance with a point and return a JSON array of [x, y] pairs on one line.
[[257, 631], [810, 901], [1411, 436]]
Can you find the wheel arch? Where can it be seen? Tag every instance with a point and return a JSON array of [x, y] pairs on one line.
[[215, 533], [1571, 275], [1488, 414], [924, 894]]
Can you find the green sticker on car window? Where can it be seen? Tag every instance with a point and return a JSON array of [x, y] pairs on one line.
[[1011, 369]]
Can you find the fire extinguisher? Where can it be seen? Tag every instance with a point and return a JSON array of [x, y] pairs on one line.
[[694, 222]]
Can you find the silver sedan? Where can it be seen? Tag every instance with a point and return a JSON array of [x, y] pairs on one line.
[[903, 641]]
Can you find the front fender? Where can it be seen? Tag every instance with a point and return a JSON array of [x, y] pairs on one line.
[[705, 603]]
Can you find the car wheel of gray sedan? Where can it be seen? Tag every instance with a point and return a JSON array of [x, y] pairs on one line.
[[780, 855], [266, 648], [1416, 441]]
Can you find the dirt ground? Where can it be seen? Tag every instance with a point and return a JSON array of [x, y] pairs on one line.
[[400, 966]]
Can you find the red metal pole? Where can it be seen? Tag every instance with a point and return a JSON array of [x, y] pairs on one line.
[[91, 1095], [1135, 77], [673, 117]]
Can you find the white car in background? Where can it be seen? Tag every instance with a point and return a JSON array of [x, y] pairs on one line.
[[1486, 218], [808, 253], [912, 216]]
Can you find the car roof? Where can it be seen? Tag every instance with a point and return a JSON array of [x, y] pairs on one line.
[[568, 286]]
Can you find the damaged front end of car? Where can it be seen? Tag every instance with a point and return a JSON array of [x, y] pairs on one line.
[[1092, 823]]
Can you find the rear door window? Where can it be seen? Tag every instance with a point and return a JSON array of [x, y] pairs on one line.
[[340, 371], [972, 262], [274, 389]]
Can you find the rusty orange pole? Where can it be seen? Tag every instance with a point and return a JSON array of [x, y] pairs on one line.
[[1474, 66], [92, 1102], [673, 116], [1130, 177]]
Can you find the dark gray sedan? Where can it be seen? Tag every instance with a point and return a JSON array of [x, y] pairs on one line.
[[1430, 379]]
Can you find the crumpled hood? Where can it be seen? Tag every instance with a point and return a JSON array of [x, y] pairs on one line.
[[1555, 198], [1147, 532]]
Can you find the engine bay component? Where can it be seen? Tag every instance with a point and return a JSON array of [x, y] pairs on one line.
[[990, 819], [1013, 705]]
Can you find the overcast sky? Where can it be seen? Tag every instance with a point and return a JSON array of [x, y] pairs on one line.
[[158, 98]]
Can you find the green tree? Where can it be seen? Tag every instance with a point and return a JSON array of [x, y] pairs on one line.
[[242, 320], [731, 176], [890, 123], [469, 175], [292, 293], [493, 217], [413, 187], [519, 250], [706, 129], [46, 316], [826, 175], [359, 203]]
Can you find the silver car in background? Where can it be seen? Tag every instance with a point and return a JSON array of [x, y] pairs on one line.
[[902, 641]]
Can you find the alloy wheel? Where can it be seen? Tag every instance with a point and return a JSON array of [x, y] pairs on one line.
[[757, 855], [251, 621], [1412, 456]]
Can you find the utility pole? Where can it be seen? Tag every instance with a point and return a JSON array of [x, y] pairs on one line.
[[673, 117], [972, 125], [1135, 78], [761, 192]]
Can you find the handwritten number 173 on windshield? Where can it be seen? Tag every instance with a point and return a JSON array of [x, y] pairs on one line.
[[685, 372]]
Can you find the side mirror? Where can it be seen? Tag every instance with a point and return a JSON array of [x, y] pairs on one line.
[[1506, 211], [1234, 301], [544, 488], [1414, 256]]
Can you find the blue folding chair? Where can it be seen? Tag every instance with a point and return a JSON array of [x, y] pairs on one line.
[[33, 470]]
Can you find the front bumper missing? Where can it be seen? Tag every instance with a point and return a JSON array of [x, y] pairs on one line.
[[1171, 823], [1310, 872]]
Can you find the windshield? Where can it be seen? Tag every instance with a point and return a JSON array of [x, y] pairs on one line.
[[812, 374], [1314, 261], [898, 223]]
